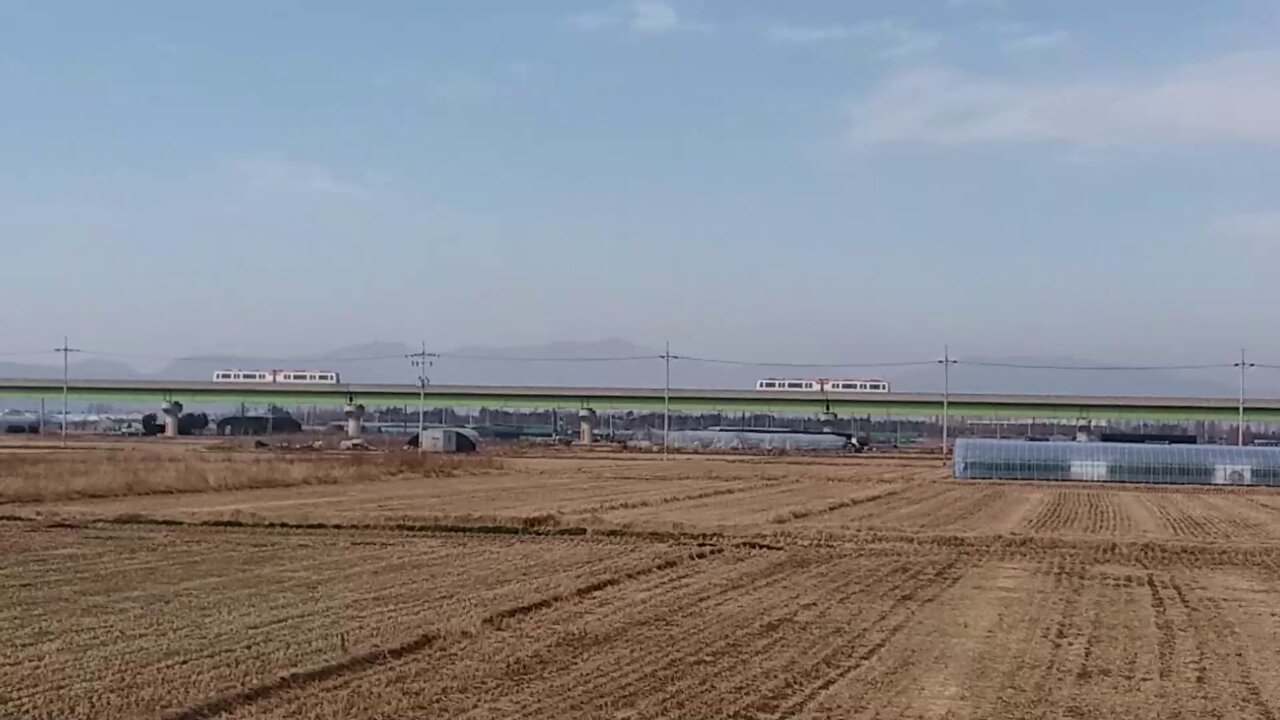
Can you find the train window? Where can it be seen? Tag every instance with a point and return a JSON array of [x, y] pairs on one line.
[[795, 386], [768, 384]]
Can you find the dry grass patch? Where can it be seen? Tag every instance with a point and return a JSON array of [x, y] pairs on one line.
[[64, 476]]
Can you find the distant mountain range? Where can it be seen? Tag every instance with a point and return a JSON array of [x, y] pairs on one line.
[[547, 364]]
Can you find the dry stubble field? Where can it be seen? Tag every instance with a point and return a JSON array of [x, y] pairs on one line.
[[622, 586]]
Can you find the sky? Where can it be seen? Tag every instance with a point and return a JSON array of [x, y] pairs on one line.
[[796, 181]]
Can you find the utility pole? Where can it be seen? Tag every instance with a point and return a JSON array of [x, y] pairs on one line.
[[666, 404], [66, 351], [421, 361], [947, 362], [1240, 423]]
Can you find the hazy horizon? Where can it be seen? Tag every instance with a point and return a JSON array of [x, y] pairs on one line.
[[828, 181], [618, 362]]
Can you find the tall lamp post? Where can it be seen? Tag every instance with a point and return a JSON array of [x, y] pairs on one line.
[[66, 351], [422, 361], [1240, 421], [666, 403], [946, 363]]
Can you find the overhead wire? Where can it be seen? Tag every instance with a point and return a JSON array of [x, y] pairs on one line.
[[1035, 366], [752, 363], [480, 357], [232, 356], [516, 358]]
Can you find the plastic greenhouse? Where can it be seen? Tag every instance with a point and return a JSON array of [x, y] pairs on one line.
[[1116, 462]]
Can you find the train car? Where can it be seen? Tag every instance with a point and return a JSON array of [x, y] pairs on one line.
[[324, 377], [290, 377], [849, 385], [860, 385], [789, 384]]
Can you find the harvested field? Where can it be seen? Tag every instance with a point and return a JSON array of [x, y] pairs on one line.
[[627, 587], [169, 617], [31, 477]]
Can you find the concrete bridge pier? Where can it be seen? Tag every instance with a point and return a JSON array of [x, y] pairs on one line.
[[172, 410], [355, 419], [828, 420], [586, 426]]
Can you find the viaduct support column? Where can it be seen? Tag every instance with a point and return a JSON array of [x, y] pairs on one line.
[[586, 426], [355, 419], [828, 420], [172, 410]]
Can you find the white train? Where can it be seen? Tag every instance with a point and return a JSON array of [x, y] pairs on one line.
[[293, 377], [848, 385]]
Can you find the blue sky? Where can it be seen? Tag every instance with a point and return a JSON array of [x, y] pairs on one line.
[[785, 180]]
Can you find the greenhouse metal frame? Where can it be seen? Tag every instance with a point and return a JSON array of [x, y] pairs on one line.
[[1116, 462]]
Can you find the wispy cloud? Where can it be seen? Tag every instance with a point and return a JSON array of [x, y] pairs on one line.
[[1250, 226], [591, 20], [464, 89], [786, 34], [891, 38], [1039, 42], [646, 17], [1231, 99], [275, 172], [990, 4], [901, 39]]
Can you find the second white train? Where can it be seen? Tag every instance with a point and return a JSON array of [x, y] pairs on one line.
[[310, 377], [844, 385]]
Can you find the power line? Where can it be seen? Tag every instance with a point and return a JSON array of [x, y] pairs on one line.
[[397, 356], [637, 358], [1028, 366], [516, 358], [750, 363], [222, 358]]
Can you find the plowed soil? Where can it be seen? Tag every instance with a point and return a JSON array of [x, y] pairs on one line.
[[609, 588]]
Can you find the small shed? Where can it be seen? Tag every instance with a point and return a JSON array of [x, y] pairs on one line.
[[449, 440]]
